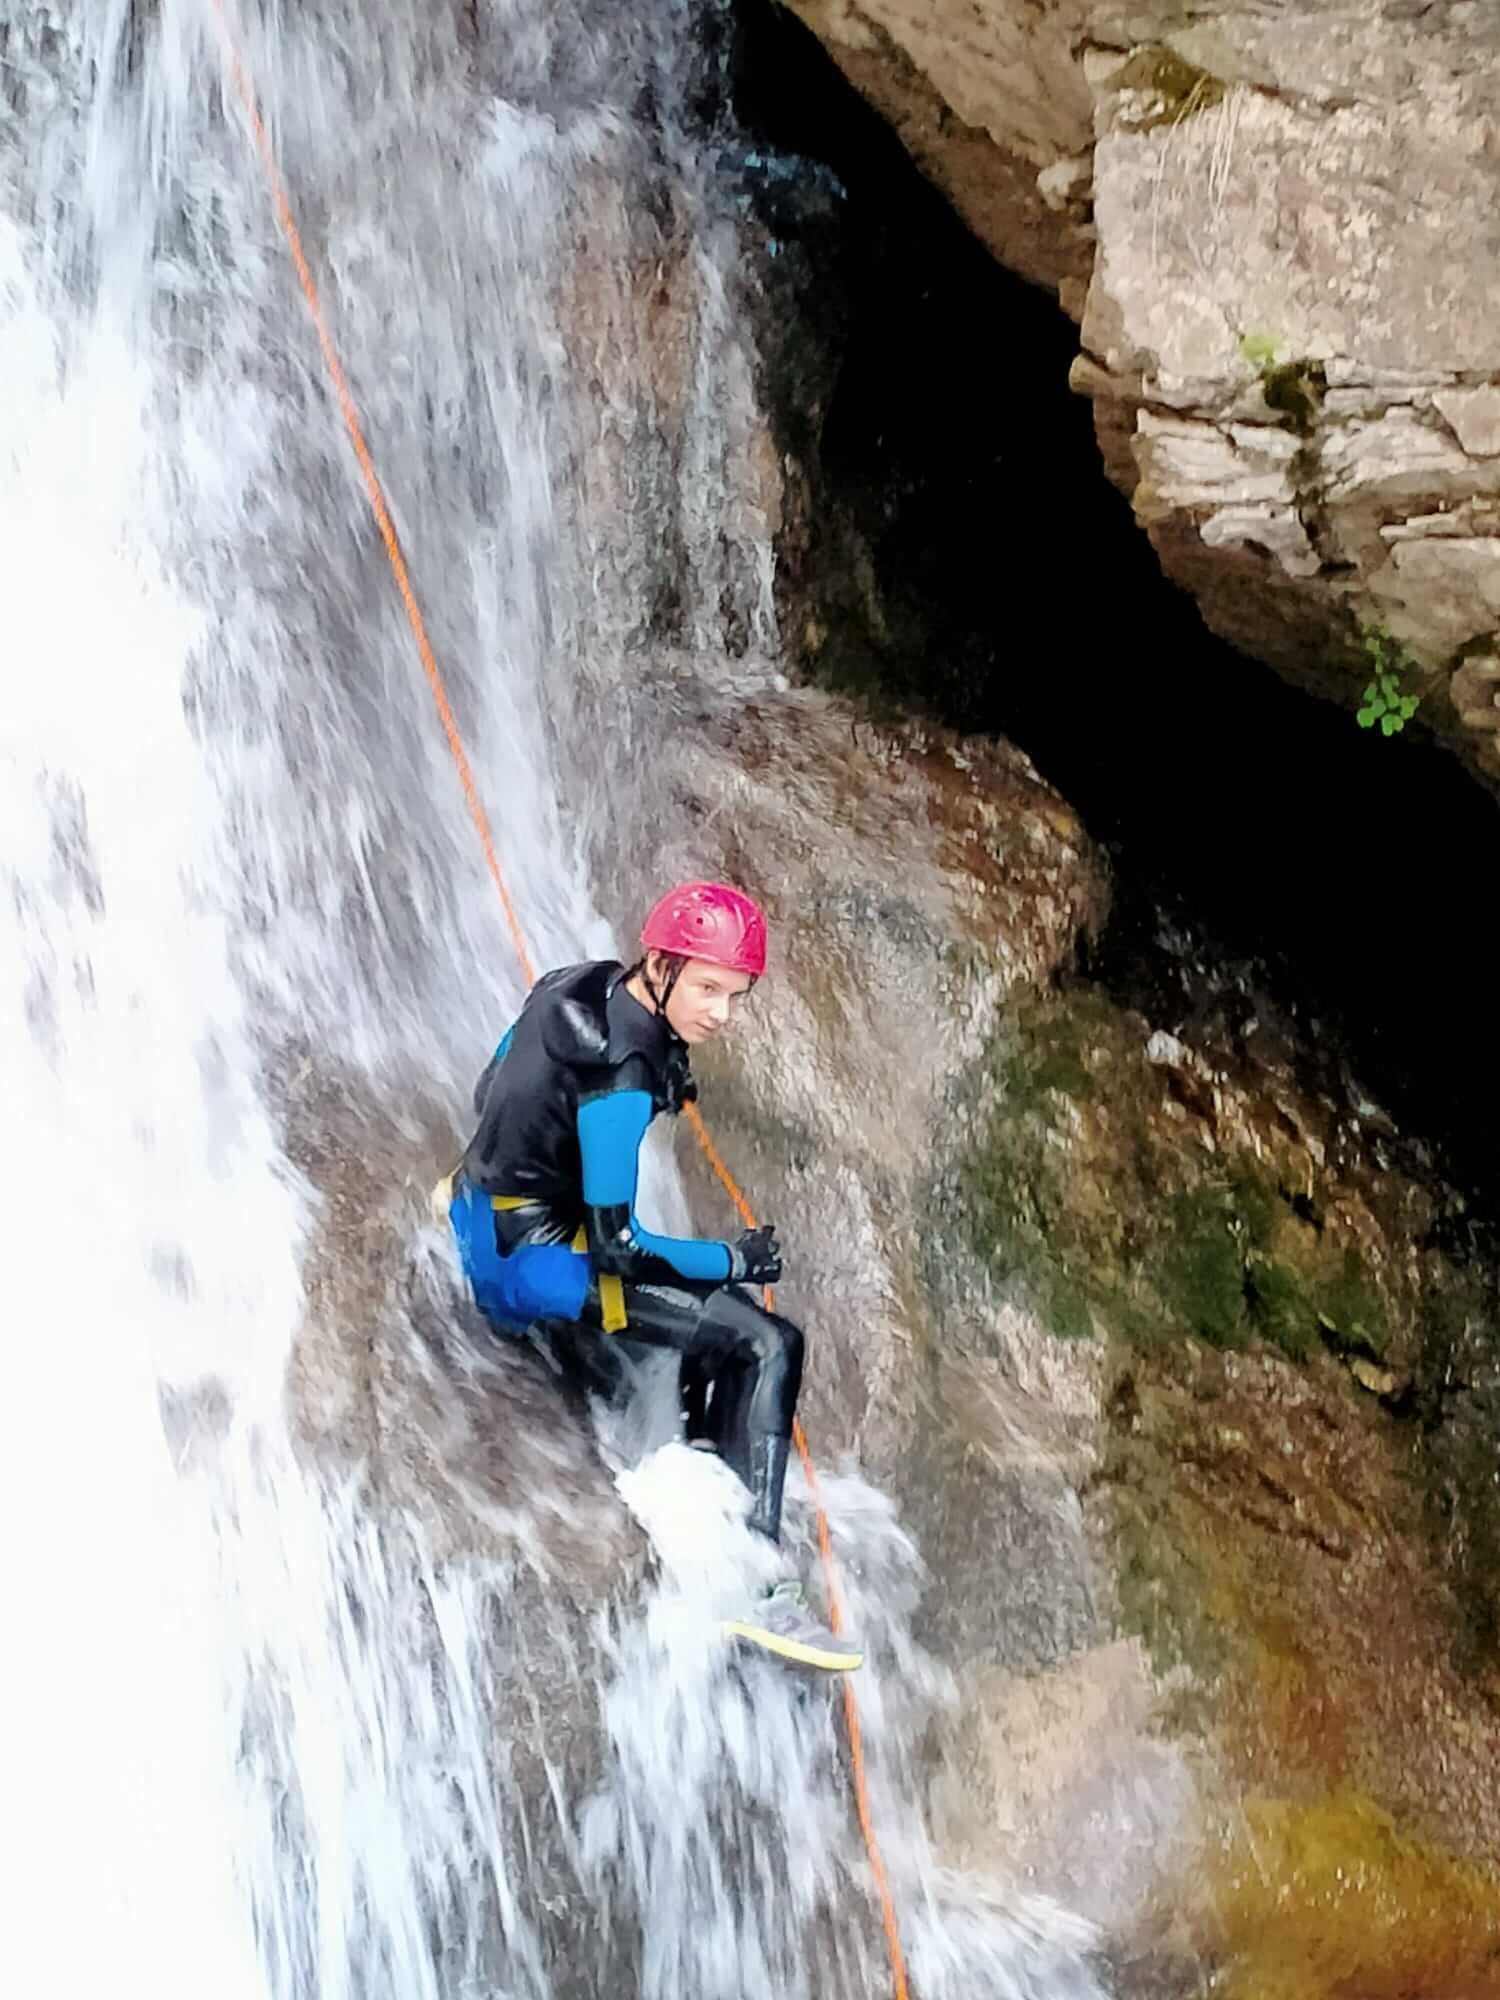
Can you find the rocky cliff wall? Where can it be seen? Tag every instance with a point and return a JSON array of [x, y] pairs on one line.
[[1277, 229]]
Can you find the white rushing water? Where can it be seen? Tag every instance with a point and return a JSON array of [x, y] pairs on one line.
[[304, 1694]]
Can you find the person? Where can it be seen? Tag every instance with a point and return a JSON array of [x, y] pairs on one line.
[[542, 1206]]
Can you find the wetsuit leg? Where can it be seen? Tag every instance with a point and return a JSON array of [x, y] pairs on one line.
[[751, 1357], [756, 1381], [588, 1361], [696, 1394]]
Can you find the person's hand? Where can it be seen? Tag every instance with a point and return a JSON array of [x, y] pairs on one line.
[[756, 1258]]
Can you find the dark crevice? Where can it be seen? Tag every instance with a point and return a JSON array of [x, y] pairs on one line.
[[961, 553], [1303, 1207]]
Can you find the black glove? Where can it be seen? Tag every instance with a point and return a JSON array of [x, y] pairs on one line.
[[756, 1258]]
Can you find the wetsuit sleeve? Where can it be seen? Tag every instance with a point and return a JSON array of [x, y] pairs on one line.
[[610, 1131], [482, 1088]]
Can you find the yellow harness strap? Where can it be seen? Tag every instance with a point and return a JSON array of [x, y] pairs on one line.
[[611, 1295], [611, 1290]]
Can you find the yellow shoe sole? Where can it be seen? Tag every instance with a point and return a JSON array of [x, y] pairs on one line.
[[794, 1649]]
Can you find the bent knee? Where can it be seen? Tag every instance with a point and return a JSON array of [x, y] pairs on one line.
[[777, 1344], [755, 1332], [790, 1342]]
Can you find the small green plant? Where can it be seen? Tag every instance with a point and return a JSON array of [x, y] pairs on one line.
[[1293, 390], [1387, 700]]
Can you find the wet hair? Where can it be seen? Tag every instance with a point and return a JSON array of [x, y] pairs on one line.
[[675, 961]]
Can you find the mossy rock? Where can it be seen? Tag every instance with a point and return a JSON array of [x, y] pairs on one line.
[[1295, 391], [1350, 1312], [1169, 87], [1164, 1587], [1281, 1306], [1198, 1267], [1080, 1191], [1084, 1200]]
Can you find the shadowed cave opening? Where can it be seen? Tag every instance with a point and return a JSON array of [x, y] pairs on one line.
[[962, 555]]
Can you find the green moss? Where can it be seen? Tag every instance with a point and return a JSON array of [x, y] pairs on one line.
[[1169, 86], [1259, 1207], [1281, 1307], [1162, 1591], [1068, 1308], [1198, 1267], [1295, 391], [1259, 349], [1076, 1190], [1467, 1519], [1028, 1212], [1151, 1606], [1045, 1058], [1350, 1312]]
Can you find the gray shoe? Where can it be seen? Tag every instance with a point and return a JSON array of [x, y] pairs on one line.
[[782, 1623]]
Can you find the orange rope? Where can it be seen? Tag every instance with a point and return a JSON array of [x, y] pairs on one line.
[[279, 201], [835, 1610], [373, 487]]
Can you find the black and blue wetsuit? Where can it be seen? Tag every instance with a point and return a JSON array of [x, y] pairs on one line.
[[544, 1211]]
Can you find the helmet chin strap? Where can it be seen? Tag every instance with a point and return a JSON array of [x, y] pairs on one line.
[[660, 999]]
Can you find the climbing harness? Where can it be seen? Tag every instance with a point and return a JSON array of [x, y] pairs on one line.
[[612, 1310], [280, 202]]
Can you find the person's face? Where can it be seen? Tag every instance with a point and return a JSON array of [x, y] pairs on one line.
[[702, 1001]]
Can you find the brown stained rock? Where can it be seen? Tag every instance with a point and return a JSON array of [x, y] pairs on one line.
[[1274, 1545], [1264, 1521], [1334, 1898], [917, 885]]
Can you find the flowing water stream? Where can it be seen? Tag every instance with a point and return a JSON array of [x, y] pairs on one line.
[[338, 1670]]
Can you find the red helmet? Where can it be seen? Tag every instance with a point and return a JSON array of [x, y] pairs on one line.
[[709, 920]]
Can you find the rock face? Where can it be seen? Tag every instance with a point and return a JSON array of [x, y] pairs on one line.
[[1278, 231], [1160, 1337], [1172, 1353]]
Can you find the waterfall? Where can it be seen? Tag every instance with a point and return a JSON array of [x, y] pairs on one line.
[[338, 1668]]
